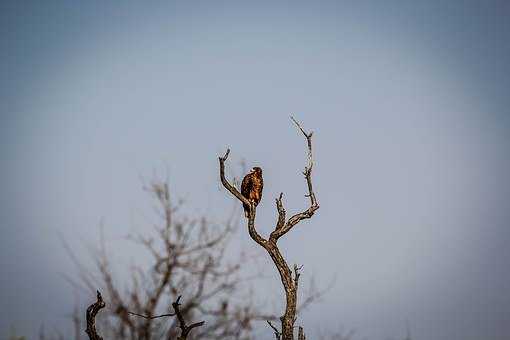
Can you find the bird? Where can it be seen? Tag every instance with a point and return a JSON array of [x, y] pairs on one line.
[[251, 188]]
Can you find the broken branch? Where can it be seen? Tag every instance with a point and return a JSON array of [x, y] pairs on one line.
[[92, 311]]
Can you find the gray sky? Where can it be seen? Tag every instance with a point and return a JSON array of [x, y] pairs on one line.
[[409, 103]]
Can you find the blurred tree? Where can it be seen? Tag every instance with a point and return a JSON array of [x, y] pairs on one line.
[[187, 258]]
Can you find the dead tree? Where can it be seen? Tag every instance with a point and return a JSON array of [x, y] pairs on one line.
[[283, 226]]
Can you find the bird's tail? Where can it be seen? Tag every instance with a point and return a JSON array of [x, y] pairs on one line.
[[246, 210]]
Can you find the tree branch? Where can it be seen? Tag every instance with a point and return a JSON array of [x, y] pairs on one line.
[[227, 185], [276, 331], [185, 329], [151, 317], [251, 213], [280, 229], [281, 213], [92, 311]]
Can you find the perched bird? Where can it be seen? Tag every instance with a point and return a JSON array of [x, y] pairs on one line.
[[251, 188]]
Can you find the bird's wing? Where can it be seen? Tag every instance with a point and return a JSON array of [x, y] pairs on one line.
[[246, 186]]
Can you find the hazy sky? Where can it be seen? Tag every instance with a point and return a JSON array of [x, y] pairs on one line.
[[409, 102]]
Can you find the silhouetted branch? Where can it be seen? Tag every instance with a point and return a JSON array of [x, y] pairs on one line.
[[226, 184], [185, 329], [91, 317], [276, 331], [151, 317]]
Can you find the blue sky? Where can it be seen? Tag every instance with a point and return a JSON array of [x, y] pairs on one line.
[[409, 104]]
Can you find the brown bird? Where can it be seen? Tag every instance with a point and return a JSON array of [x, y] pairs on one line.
[[251, 188]]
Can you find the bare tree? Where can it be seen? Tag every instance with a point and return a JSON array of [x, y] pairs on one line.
[[283, 226], [188, 258]]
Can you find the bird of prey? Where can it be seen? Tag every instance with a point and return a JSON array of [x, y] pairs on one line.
[[251, 188]]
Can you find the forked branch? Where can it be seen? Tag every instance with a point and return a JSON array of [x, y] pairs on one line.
[[185, 329], [251, 213], [282, 229]]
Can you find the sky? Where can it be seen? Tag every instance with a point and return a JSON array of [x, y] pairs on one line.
[[409, 104]]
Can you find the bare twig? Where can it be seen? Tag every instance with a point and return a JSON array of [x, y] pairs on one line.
[[226, 184], [277, 333], [152, 317], [91, 317]]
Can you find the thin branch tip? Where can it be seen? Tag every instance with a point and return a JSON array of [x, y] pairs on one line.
[[277, 333], [307, 135], [224, 158]]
